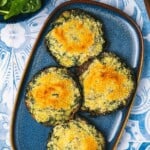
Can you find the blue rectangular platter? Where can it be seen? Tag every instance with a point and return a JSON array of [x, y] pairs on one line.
[[122, 37]]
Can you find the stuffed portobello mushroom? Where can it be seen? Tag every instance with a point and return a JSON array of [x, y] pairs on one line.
[[75, 37], [76, 135], [107, 84], [52, 96]]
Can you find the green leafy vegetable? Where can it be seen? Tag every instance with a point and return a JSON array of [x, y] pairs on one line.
[[10, 8], [32, 6], [3, 2]]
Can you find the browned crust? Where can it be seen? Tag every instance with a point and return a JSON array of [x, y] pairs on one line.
[[81, 118], [79, 12], [47, 123], [86, 65]]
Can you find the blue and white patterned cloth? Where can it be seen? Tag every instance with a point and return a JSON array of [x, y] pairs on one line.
[[16, 41]]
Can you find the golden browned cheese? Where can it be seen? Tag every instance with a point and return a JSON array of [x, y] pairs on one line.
[[74, 36], [78, 139], [52, 96], [89, 141], [52, 93], [103, 79], [107, 84], [76, 135]]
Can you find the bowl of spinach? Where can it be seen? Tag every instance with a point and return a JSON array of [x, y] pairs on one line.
[[19, 9]]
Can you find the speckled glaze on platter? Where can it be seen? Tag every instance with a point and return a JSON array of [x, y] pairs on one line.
[[122, 37]]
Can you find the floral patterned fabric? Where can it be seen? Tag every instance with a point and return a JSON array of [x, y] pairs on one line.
[[16, 41]]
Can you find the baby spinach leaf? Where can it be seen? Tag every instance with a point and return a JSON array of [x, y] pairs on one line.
[[2, 2], [15, 9], [10, 8], [31, 6]]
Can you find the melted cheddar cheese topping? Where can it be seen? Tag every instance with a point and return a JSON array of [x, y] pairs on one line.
[[52, 96], [77, 135], [52, 90], [79, 140], [103, 84], [74, 36], [104, 79]]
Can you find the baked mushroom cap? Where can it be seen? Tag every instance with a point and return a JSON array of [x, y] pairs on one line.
[[75, 37], [52, 96], [76, 135], [107, 84]]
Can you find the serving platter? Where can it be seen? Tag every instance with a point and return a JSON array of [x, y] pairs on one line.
[[122, 36]]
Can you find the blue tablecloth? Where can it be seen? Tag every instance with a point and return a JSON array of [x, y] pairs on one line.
[[16, 41]]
